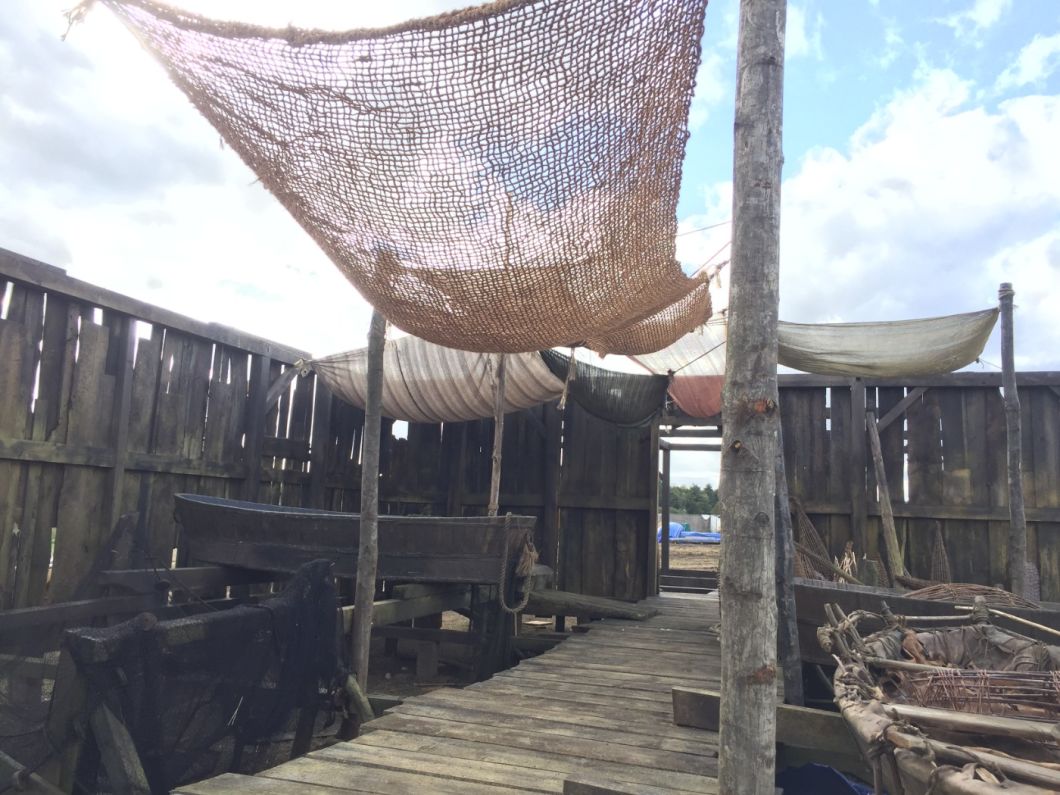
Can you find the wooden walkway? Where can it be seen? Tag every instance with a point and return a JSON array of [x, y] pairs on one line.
[[597, 706]]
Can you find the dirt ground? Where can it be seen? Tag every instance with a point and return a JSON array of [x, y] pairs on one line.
[[702, 557]]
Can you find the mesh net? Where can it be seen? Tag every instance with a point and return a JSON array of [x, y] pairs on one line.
[[622, 398], [502, 179], [195, 692], [214, 690]]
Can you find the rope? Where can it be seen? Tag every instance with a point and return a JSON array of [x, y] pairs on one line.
[[523, 569]]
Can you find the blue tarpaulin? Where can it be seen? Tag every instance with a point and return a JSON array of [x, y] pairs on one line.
[[680, 534]]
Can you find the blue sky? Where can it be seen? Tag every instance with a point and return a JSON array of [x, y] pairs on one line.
[[921, 169]]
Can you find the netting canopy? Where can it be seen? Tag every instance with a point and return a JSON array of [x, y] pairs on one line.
[[500, 179], [627, 399]]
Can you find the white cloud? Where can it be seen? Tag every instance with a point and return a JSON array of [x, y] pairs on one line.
[[803, 36], [979, 17], [1035, 62], [920, 214], [892, 40], [713, 84]]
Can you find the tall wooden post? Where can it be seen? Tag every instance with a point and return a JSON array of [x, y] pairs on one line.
[[368, 549], [890, 533], [787, 627], [498, 437], [1017, 537], [664, 499], [746, 749]]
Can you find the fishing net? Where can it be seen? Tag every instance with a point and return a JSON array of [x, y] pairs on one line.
[[627, 399], [500, 179], [966, 592], [194, 693]]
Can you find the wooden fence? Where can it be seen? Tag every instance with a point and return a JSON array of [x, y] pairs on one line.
[[110, 405], [944, 452]]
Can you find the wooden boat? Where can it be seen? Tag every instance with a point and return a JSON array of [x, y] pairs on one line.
[[954, 706], [811, 596], [473, 550]]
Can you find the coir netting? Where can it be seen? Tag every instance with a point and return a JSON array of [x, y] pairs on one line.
[[195, 692], [626, 399], [501, 179]]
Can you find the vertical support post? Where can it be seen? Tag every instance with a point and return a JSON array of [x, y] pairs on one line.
[[747, 743], [318, 461], [664, 498], [254, 427], [550, 526], [368, 548], [787, 628], [498, 436], [652, 579], [890, 534], [122, 412], [858, 489], [1017, 537]]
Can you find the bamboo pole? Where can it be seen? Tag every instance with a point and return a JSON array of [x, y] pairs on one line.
[[368, 548], [746, 748], [1017, 538], [498, 436], [787, 628], [890, 534]]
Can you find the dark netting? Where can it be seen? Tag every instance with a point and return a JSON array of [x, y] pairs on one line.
[[627, 399], [198, 692]]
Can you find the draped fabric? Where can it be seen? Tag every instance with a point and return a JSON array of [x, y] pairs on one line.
[[894, 349], [424, 382], [503, 178], [627, 399], [697, 364]]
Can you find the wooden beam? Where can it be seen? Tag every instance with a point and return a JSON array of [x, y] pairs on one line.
[[787, 624], [890, 534], [368, 546], [1017, 538], [564, 603], [279, 386], [498, 435], [856, 462], [967, 379], [652, 562], [692, 433], [664, 507], [254, 427], [746, 747], [125, 774], [901, 408], [318, 460], [550, 524], [112, 501], [799, 727], [391, 611]]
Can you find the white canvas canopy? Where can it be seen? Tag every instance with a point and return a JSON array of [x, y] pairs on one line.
[[895, 349], [424, 382]]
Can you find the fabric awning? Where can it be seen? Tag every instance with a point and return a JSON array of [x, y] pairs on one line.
[[895, 349]]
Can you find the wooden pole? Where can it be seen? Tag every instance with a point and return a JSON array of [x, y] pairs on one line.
[[787, 628], [368, 549], [1017, 535], [746, 748], [498, 437], [890, 533], [664, 534]]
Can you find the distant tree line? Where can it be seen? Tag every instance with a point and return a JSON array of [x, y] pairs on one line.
[[694, 499]]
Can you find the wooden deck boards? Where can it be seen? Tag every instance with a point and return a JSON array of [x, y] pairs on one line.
[[598, 704]]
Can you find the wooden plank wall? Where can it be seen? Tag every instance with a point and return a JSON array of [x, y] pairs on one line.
[[108, 404], [946, 468]]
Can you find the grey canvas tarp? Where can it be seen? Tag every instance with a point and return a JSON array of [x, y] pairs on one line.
[[894, 349]]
